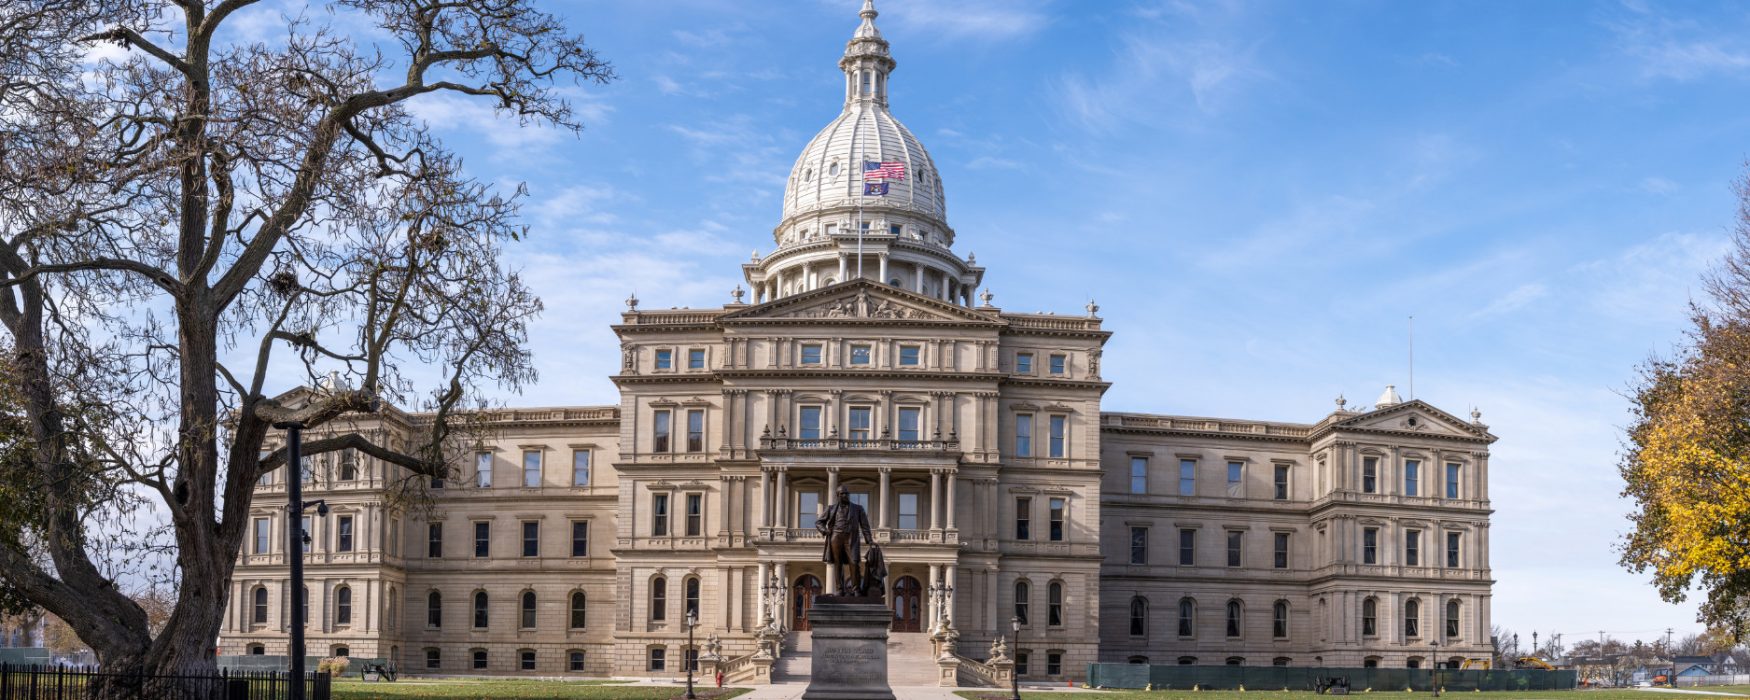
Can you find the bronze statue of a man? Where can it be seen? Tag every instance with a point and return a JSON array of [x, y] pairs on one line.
[[841, 525]]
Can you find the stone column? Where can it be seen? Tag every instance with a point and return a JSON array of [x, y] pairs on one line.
[[935, 498], [765, 579], [948, 503], [779, 498], [765, 498], [930, 588], [917, 282], [883, 506], [832, 484], [952, 572], [843, 264], [883, 279]]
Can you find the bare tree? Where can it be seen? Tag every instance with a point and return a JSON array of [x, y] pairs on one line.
[[192, 229]]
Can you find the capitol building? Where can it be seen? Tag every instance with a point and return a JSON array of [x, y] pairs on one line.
[[578, 540]]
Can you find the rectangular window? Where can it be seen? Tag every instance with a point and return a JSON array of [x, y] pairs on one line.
[[1057, 364], [1412, 476], [1187, 547], [263, 535], [1056, 519], [659, 515], [1187, 477], [860, 354], [433, 659], [909, 418], [580, 467], [1020, 663], [1139, 545], [1024, 363], [483, 470], [696, 358], [665, 359], [434, 540], [695, 514], [527, 658], [1235, 539], [1024, 435], [266, 478], [658, 659], [1452, 481], [482, 539], [1281, 550], [1139, 475], [308, 539], [343, 534], [349, 465], [908, 511], [480, 659], [861, 498], [580, 538], [1412, 548], [531, 469], [1059, 426], [808, 423], [909, 355], [811, 353], [1236, 477], [1023, 518], [1370, 545], [1451, 550], [1370, 475], [1053, 664], [1281, 482], [574, 661], [437, 483], [695, 431], [531, 539], [808, 509], [659, 431], [861, 425]]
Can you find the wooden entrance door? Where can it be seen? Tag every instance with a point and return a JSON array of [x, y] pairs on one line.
[[802, 594], [907, 605]]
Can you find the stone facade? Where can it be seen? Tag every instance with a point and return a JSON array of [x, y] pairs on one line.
[[576, 539]]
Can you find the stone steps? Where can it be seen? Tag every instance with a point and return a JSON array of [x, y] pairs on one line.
[[909, 660], [797, 661]]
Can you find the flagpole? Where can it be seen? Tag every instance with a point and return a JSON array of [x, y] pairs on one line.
[[864, 184]]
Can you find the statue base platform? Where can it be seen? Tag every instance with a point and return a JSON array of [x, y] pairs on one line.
[[850, 648]]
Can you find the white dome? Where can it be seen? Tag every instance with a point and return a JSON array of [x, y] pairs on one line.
[[829, 173]]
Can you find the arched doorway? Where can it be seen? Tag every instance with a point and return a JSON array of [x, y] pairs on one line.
[[802, 598], [907, 605]]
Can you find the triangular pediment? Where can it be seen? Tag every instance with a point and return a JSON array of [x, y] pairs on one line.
[[859, 301], [1417, 417]]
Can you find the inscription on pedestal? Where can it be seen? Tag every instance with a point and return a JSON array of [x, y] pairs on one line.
[[850, 649]]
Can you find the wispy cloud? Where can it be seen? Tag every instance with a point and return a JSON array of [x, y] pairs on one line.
[[1658, 185], [1678, 48], [1160, 63], [977, 20], [993, 163], [1521, 296]]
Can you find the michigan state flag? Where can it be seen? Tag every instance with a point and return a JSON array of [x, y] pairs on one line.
[[875, 189]]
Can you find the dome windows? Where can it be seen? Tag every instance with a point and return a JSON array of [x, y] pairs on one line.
[[808, 175], [833, 170]]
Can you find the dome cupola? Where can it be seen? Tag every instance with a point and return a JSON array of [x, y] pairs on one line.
[[865, 189]]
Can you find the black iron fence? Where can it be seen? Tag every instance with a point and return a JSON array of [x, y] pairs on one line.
[[1309, 678], [79, 683]]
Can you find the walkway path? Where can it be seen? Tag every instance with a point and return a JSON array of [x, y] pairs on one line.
[[1689, 692], [792, 691]]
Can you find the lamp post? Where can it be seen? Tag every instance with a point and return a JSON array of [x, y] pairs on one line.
[[1015, 674], [1436, 655], [689, 655], [296, 537]]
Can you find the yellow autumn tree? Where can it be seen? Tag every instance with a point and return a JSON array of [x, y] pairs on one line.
[[1686, 459]]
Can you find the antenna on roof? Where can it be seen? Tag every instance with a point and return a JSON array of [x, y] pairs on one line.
[[1412, 358]]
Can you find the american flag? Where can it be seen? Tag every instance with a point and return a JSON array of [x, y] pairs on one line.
[[893, 170]]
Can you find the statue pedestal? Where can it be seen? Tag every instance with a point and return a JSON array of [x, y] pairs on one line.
[[850, 649]]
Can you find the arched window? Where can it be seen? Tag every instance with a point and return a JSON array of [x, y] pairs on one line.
[[528, 610], [1236, 660], [260, 615], [1451, 618], [434, 609], [1279, 620], [1412, 618], [1187, 616], [579, 611], [480, 610], [1138, 616], [658, 599], [1054, 604], [1370, 616], [1143, 660], [257, 650], [1022, 593], [1187, 660], [343, 605], [692, 597], [1281, 661], [1233, 618]]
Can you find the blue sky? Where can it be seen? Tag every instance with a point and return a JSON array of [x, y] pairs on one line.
[[1259, 195]]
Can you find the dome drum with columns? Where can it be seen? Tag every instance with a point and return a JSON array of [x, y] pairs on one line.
[[905, 238]]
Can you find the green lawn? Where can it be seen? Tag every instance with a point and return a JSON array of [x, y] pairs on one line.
[[1305, 695], [470, 689]]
